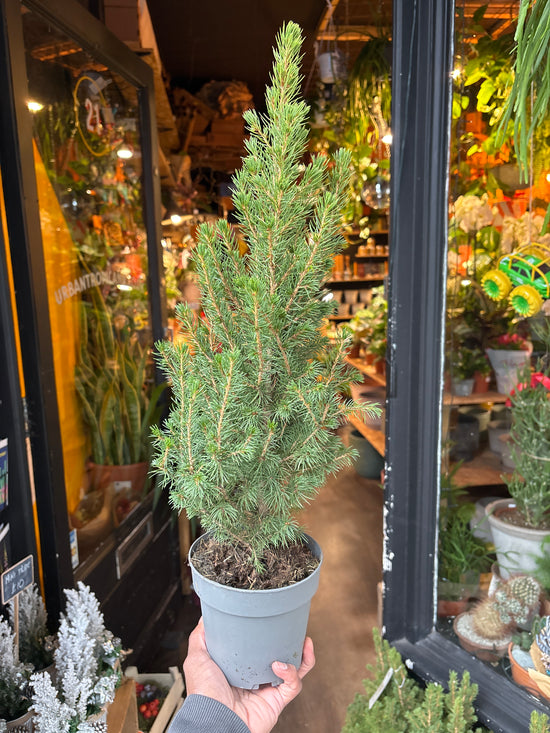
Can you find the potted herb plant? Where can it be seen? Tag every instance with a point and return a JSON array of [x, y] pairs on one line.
[[462, 557], [519, 525], [251, 434]]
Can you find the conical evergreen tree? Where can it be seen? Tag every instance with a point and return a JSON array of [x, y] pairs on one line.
[[256, 386]]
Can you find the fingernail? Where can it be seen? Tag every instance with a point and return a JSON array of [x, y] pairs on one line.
[[282, 665]]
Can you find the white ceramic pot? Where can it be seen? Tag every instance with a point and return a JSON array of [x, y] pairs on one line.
[[506, 445], [516, 547], [507, 366], [496, 429]]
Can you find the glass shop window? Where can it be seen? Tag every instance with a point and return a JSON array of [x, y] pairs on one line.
[[492, 590], [87, 155]]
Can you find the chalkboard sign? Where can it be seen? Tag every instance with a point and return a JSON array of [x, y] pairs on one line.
[[17, 578]]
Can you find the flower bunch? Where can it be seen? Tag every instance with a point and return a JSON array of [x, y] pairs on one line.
[[525, 230], [472, 213], [149, 700], [510, 342]]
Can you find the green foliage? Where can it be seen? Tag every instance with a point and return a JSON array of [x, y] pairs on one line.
[[357, 117], [531, 80], [538, 723], [369, 325], [529, 484], [406, 707], [112, 381], [460, 552], [251, 434]]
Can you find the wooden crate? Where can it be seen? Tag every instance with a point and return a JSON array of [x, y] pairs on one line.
[[173, 681]]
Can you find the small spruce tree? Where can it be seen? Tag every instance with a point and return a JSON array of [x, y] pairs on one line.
[[257, 387], [403, 706]]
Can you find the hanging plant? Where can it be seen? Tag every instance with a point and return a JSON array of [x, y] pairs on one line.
[[527, 104]]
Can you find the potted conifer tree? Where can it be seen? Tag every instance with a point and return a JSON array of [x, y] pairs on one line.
[[257, 387]]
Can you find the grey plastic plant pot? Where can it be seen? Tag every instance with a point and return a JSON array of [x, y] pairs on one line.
[[247, 630]]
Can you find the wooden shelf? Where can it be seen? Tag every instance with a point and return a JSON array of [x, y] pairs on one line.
[[484, 470], [371, 257], [366, 279], [375, 437], [367, 370], [476, 398]]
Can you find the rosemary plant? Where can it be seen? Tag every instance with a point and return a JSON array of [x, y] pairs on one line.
[[251, 434]]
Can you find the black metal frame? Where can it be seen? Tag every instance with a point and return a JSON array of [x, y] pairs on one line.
[[28, 265], [421, 97]]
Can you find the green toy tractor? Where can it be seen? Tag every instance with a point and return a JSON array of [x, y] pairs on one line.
[[525, 273]]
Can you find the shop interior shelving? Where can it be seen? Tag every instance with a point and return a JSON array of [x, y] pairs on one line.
[[484, 470]]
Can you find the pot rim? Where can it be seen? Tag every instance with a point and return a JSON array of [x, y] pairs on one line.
[[491, 512], [312, 544]]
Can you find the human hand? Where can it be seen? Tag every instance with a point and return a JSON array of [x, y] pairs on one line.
[[260, 709]]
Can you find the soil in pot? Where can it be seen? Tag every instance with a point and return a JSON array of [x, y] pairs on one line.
[[229, 564]]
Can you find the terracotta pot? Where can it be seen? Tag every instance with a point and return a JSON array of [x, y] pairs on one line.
[[450, 609], [380, 366], [488, 651], [481, 383], [135, 473], [520, 675]]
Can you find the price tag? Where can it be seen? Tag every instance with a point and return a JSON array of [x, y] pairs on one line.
[[17, 578]]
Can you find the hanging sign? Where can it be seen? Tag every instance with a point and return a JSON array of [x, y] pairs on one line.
[[93, 115], [17, 578]]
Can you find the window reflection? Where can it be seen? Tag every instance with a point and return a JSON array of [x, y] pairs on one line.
[[496, 342], [88, 168]]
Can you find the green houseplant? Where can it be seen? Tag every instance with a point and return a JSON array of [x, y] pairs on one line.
[[251, 434], [114, 384], [520, 526], [462, 556]]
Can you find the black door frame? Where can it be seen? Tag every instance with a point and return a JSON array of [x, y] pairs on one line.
[[421, 100]]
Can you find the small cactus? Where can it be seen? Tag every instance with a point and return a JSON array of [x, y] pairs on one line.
[[512, 604]]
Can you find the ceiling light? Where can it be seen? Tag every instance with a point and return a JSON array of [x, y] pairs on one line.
[[34, 106], [125, 151]]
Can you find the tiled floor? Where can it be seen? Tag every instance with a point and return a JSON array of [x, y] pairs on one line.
[[346, 520]]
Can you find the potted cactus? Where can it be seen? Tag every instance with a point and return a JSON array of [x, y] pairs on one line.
[[487, 629], [257, 388]]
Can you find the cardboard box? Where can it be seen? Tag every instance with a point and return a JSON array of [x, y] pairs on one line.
[[173, 681]]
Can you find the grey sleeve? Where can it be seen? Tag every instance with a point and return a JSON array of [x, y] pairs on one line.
[[201, 714]]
